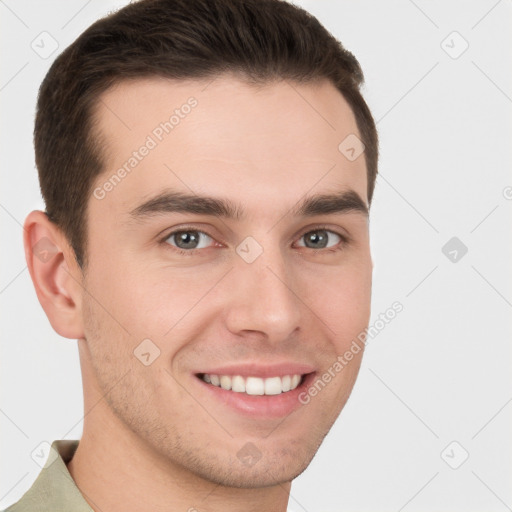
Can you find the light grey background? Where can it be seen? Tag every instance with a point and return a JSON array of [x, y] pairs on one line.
[[440, 371]]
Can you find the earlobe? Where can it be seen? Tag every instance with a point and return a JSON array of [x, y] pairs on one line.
[[55, 274]]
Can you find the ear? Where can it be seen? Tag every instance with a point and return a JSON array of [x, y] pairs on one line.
[[57, 278]]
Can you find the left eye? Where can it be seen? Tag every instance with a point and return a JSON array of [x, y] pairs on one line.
[[319, 239], [190, 239]]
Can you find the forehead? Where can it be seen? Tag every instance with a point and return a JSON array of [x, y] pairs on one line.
[[225, 137]]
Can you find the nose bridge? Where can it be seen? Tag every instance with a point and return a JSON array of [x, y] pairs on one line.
[[264, 297]]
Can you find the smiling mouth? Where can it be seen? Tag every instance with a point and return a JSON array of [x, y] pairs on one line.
[[254, 385]]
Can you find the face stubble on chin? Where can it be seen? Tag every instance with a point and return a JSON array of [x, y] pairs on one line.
[[215, 308]]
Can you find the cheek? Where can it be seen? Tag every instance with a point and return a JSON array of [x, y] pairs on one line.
[[138, 300], [115, 359], [342, 299], [155, 302]]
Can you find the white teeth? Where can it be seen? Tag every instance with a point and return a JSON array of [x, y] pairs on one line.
[[238, 384], [254, 385], [273, 386], [225, 382]]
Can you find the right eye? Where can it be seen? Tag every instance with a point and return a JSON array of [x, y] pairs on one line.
[[187, 241]]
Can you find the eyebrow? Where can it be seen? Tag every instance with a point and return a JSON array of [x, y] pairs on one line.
[[171, 201]]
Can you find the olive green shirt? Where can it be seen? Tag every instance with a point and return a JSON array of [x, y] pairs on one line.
[[54, 489]]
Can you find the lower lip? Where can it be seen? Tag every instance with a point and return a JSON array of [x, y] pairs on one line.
[[262, 406]]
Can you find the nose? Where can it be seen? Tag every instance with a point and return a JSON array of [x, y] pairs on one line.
[[264, 298]]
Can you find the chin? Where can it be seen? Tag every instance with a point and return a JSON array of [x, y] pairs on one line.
[[270, 469], [253, 478]]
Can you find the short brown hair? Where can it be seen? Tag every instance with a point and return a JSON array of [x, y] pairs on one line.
[[260, 40]]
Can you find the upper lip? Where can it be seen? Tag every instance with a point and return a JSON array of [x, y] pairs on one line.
[[260, 370]]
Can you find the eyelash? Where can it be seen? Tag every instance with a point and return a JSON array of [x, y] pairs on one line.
[[191, 252]]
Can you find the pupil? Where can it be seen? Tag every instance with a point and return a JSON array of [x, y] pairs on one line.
[[319, 238], [187, 239]]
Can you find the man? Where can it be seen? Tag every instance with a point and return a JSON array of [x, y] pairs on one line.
[[207, 169]]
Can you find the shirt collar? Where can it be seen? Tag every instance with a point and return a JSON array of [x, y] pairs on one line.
[[54, 488]]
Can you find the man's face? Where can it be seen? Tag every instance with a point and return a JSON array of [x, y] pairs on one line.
[[274, 290]]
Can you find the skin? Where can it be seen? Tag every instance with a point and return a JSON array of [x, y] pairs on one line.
[[151, 439]]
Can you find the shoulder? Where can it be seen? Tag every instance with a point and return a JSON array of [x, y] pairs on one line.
[[54, 488]]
